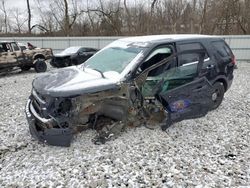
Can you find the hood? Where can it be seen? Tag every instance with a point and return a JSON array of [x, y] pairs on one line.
[[63, 54], [72, 81]]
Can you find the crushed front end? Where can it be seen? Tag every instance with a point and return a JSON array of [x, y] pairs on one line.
[[49, 119]]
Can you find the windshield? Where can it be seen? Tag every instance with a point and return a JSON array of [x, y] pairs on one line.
[[113, 58], [71, 50]]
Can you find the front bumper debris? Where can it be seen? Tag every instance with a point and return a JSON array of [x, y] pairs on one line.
[[51, 136]]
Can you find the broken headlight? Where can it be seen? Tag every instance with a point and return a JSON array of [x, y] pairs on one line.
[[63, 106]]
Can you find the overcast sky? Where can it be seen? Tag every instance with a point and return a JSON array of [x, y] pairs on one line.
[[18, 4], [22, 6], [22, 3]]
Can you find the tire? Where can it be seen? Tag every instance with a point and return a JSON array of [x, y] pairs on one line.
[[217, 95], [40, 66], [25, 68]]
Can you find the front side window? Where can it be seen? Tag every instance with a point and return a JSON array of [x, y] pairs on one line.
[[153, 58], [173, 77]]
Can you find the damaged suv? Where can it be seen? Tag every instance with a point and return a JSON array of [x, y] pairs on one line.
[[147, 80]]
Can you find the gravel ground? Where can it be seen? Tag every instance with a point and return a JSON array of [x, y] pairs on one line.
[[212, 151]]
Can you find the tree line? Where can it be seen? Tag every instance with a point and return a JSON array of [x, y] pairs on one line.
[[125, 17]]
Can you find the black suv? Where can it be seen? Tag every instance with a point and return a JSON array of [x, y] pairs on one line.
[[147, 80], [73, 55]]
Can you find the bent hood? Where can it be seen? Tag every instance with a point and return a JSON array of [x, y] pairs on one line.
[[72, 81]]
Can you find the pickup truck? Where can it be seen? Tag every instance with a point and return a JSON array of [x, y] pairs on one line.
[[13, 55]]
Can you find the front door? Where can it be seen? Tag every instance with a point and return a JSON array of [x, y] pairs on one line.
[[190, 100], [180, 89]]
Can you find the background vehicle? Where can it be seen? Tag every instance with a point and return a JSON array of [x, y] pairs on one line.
[[12, 55], [139, 80], [74, 55]]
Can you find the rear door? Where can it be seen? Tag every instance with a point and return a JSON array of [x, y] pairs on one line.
[[18, 54]]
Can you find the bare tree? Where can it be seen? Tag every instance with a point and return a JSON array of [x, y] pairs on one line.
[[29, 16], [3, 9], [18, 21], [128, 16], [203, 7], [109, 15], [174, 11], [63, 15]]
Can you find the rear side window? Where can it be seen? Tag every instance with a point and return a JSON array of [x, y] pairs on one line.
[[222, 48], [190, 57], [191, 46]]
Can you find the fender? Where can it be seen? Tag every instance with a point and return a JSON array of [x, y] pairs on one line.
[[221, 78], [38, 54]]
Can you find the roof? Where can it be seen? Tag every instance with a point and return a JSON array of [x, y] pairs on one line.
[[155, 38]]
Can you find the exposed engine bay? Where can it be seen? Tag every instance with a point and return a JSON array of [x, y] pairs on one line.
[[107, 112]]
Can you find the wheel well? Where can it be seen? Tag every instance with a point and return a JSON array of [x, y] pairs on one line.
[[39, 56], [222, 81]]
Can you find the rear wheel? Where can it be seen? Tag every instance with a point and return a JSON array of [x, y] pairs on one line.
[[40, 65], [217, 95]]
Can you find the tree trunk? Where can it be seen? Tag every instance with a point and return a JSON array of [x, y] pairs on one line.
[[29, 16], [5, 16], [203, 18], [66, 18], [128, 16], [192, 20]]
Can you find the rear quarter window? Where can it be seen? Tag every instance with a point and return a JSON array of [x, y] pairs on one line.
[[221, 48]]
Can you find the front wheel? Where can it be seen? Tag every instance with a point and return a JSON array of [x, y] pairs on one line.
[[40, 66], [217, 95]]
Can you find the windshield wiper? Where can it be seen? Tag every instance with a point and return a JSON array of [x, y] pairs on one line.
[[100, 72]]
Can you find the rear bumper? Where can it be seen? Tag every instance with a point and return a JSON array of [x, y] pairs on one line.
[[51, 136]]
